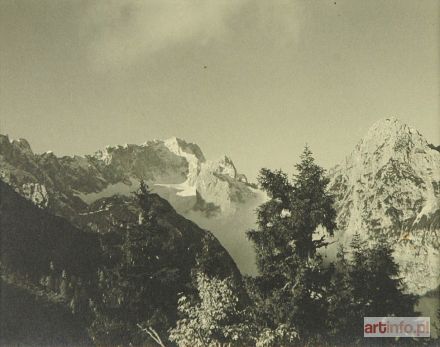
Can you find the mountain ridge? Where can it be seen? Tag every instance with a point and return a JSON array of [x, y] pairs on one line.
[[211, 193], [389, 183]]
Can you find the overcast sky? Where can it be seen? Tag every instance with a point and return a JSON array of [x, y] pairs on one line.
[[253, 79]]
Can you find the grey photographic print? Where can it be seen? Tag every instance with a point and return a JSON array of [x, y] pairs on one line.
[[219, 173]]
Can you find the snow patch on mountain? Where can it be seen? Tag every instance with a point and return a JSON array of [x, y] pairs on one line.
[[183, 189], [190, 152]]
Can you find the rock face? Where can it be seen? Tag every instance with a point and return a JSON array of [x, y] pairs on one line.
[[211, 193], [173, 165], [390, 184]]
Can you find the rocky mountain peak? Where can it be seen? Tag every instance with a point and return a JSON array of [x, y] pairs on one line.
[[23, 145], [225, 166], [390, 184], [20, 146], [183, 148], [395, 168], [390, 139]]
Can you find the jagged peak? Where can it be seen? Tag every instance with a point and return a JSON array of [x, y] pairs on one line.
[[20, 143], [49, 154], [180, 146], [392, 135], [392, 125], [4, 138], [225, 166], [174, 144], [226, 159]]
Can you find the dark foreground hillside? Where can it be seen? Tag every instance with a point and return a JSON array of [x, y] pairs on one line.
[[27, 318], [58, 280]]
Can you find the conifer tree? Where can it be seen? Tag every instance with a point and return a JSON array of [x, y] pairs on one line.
[[340, 302], [386, 289], [139, 284], [377, 288], [292, 280], [359, 276], [366, 283]]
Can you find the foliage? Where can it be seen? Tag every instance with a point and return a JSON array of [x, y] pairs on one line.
[[366, 284], [215, 317], [139, 284], [374, 278], [292, 282], [282, 335]]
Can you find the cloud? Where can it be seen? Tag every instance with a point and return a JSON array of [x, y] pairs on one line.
[[120, 32], [281, 20]]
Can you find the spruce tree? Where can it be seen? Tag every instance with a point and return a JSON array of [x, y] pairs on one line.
[[359, 276], [140, 280], [386, 289], [366, 283], [341, 319], [292, 279]]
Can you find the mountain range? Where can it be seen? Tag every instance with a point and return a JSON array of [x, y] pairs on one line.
[[389, 184], [211, 193]]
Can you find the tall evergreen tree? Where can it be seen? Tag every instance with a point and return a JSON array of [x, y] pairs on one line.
[[340, 302], [359, 275], [366, 283], [312, 205], [139, 282], [386, 288], [292, 280]]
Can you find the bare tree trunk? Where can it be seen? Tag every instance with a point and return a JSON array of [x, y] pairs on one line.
[[153, 334]]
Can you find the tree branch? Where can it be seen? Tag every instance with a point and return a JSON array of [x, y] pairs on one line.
[[153, 334]]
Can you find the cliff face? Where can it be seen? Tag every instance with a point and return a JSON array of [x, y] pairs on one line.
[[390, 184], [172, 165]]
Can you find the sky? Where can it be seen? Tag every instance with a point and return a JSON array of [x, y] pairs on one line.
[[255, 80]]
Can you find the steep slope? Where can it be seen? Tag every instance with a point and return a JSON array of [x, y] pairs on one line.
[[184, 236], [30, 320], [41, 254], [390, 184], [32, 239], [53, 266], [211, 193]]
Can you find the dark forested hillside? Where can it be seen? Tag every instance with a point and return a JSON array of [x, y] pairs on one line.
[[32, 238], [48, 270], [58, 280], [31, 319]]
